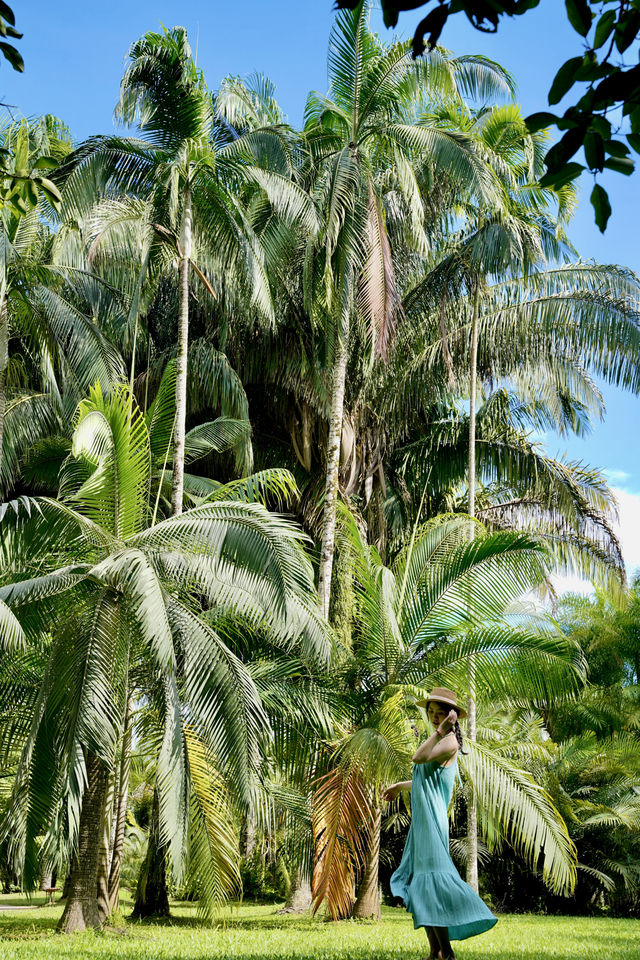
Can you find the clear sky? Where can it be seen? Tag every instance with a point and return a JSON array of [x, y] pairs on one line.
[[74, 54]]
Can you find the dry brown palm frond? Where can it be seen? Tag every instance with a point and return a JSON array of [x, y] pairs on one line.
[[341, 824], [378, 297]]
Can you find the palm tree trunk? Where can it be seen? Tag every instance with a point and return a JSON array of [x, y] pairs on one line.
[[299, 899], [104, 860], [368, 898], [181, 360], [472, 811], [472, 398], [332, 472], [121, 812], [152, 898], [81, 910], [46, 876], [4, 360]]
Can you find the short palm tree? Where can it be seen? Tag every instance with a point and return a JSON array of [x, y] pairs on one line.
[[416, 624], [137, 593]]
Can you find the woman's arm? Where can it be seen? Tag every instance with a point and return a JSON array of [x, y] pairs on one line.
[[441, 745], [392, 792]]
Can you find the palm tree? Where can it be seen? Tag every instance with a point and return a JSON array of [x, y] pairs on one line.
[[190, 171], [417, 623], [364, 128], [50, 345], [138, 593]]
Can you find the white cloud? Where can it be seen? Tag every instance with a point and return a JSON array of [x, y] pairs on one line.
[[628, 526], [617, 476], [627, 529]]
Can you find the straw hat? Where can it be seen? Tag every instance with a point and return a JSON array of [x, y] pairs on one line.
[[442, 695]]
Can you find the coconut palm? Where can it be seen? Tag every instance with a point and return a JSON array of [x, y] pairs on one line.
[[138, 593], [415, 624]]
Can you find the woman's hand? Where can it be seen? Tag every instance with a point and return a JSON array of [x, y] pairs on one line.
[[448, 723], [392, 792]]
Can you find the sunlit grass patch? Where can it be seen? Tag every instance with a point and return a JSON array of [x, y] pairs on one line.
[[257, 932]]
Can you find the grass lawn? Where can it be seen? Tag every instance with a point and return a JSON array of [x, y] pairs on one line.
[[257, 932]]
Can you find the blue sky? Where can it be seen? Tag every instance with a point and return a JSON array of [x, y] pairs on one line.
[[74, 54]]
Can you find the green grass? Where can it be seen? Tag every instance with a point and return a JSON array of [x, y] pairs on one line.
[[256, 932]]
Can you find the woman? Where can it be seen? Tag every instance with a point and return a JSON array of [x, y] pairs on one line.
[[426, 878]]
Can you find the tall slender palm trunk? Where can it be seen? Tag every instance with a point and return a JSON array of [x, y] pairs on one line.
[[152, 898], [181, 359], [472, 810], [368, 898], [81, 910], [332, 471], [121, 812], [4, 361]]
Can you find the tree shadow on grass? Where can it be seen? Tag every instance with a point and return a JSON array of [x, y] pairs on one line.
[[20, 925]]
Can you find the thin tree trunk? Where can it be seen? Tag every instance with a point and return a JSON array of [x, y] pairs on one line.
[[250, 835], [472, 811], [46, 877], [299, 899], [104, 859], [368, 898], [4, 360], [152, 898], [121, 812], [472, 398], [332, 472], [81, 910], [181, 360]]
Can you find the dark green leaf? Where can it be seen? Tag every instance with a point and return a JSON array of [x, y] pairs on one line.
[[601, 126], [539, 121], [634, 141], [616, 148], [604, 28], [579, 15], [594, 151], [11, 54], [563, 175], [627, 29], [564, 149], [7, 13], [620, 165], [601, 206], [564, 79]]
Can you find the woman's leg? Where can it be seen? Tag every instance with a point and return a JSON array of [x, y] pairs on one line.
[[434, 943], [446, 950]]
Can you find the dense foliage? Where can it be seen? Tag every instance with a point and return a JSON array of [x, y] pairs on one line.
[[609, 29], [268, 403]]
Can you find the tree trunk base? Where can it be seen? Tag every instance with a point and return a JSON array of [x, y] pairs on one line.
[[152, 896], [299, 899], [367, 907], [80, 915]]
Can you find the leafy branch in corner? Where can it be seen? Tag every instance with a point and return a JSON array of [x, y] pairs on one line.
[[608, 28]]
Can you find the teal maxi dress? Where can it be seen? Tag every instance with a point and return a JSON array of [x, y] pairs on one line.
[[426, 878]]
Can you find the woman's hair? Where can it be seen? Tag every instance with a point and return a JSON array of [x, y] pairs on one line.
[[456, 729], [458, 733]]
